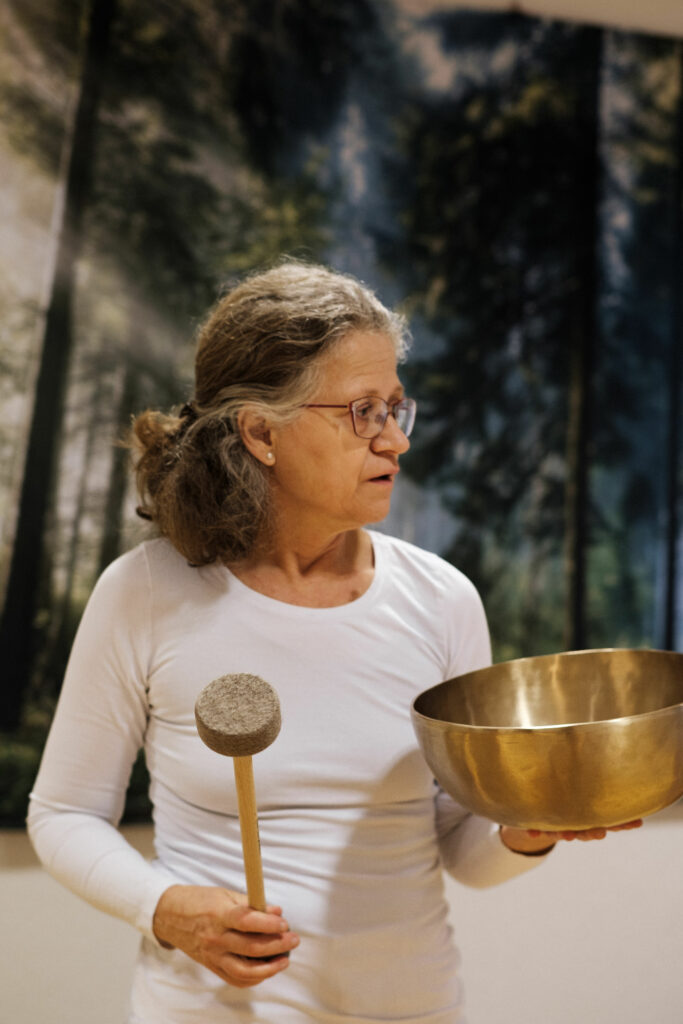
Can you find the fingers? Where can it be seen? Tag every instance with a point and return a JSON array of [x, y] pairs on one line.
[[255, 947], [255, 933], [244, 918], [241, 972], [584, 835], [252, 945], [568, 835], [244, 970]]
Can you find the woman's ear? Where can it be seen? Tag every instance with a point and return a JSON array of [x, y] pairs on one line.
[[256, 434]]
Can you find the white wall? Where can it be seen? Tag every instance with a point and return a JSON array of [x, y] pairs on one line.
[[61, 961], [594, 936]]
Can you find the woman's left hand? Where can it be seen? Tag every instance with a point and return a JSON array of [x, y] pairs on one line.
[[532, 840]]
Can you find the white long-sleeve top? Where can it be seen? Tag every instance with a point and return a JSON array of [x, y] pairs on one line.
[[354, 831]]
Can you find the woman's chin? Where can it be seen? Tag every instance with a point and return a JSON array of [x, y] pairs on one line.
[[379, 512]]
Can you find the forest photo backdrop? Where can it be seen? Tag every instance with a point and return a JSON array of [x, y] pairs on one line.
[[515, 185]]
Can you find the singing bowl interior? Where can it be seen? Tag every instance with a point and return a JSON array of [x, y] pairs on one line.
[[563, 741]]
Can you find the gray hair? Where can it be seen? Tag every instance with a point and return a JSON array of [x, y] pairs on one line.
[[263, 345]]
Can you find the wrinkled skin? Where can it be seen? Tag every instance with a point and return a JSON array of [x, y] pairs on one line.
[[216, 928]]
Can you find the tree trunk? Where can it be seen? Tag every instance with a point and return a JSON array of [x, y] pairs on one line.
[[675, 383], [583, 345], [113, 514], [52, 659], [17, 635]]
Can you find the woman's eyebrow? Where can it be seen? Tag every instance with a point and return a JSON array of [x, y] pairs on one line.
[[395, 394]]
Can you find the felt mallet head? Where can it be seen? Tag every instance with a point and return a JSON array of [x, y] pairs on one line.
[[238, 715]]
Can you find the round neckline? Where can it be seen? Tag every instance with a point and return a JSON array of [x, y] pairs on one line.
[[256, 598]]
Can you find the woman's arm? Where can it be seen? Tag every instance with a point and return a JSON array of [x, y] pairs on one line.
[[471, 848], [90, 857], [97, 730]]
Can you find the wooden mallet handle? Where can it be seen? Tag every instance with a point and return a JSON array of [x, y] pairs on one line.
[[251, 844]]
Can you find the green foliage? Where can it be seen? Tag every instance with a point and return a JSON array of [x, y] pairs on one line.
[[34, 94], [176, 205], [56, 27], [216, 153], [494, 184], [639, 376], [32, 128], [289, 68], [497, 187], [138, 806], [20, 755], [18, 768]]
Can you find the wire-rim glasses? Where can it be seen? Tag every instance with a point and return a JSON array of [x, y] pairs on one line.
[[370, 414]]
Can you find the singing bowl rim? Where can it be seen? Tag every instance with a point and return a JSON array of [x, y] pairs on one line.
[[557, 727], [547, 727]]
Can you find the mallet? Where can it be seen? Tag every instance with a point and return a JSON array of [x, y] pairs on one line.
[[239, 715]]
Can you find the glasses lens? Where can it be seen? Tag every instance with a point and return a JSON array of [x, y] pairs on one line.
[[369, 416], [404, 412]]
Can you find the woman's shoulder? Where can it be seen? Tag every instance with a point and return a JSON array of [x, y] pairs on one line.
[[418, 564], [446, 602], [142, 584], [145, 564]]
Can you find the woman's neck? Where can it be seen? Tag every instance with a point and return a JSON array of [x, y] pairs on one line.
[[322, 574]]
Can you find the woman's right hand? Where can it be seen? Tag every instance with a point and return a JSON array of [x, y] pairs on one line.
[[218, 929]]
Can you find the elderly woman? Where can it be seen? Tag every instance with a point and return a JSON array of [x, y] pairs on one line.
[[261, 490]]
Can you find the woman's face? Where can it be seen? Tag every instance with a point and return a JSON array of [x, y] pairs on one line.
[[324, 475]]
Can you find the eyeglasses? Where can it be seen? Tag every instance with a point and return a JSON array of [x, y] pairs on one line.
[[369, 415]]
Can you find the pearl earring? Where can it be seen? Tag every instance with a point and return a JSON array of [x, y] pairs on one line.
[[269, 456]]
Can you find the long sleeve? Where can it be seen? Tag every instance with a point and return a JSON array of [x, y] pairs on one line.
[[89, 856], [471, 849], [97, 731]]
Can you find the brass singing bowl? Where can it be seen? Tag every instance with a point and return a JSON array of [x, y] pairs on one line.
[[563, 741]]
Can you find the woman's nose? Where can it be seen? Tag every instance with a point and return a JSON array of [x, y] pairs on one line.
[[391, 438]]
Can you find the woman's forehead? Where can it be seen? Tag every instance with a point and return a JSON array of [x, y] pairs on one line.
[[363, 358]]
